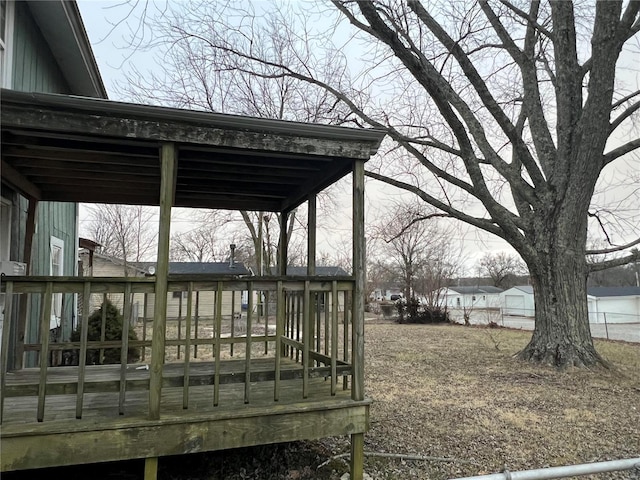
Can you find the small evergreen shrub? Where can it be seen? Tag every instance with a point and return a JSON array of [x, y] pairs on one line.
[[113, 331], [412, 311]]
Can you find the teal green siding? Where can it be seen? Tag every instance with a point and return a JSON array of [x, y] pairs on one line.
[[36, 70], [34, 67]]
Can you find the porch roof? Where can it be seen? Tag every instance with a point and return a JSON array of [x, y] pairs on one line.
[[78, 149]]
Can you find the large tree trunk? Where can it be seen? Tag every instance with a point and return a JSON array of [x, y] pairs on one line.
[[561, 337]]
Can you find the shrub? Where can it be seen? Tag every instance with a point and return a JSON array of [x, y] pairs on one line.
[[413, 312], [113, 331]]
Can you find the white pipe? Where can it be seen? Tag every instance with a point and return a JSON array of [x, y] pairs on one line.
[[560, 472]]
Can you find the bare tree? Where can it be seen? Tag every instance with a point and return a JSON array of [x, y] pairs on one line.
[[125, 232], [417, 249], [208, 242], [501, 267], [501, 114]]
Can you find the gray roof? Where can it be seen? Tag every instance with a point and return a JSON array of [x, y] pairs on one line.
[[328, 271], [613, 291], [191, 268], [525, 288], [476, 290]]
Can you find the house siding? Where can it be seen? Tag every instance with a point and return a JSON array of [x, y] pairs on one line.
[[34, 66], [35, 69]]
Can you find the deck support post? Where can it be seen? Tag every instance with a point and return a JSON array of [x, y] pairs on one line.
[[21, 329], [283, 247], [357, 457], [311, 238], [168, 169], [357, 338], [151, 468]]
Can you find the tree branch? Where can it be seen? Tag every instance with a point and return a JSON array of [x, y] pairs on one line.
[[634, 256], [621, 150], [604, 251]]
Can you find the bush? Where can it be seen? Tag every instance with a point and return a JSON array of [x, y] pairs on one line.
[[113, 331], [413, 312]]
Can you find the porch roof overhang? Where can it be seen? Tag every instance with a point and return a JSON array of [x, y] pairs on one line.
[[78, 149]]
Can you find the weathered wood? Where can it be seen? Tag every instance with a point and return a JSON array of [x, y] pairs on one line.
[[124, 349], [187, 433], [167, 191], [20, 182], [280, 308], [82, 356], [45, 318], [151, 468], [187, 348], [357, 456], [103, 324], [247, 355], [6, 334], [312, 227], [334, 336], [359, 265], [217, 332], [306, 335], [21, 329]]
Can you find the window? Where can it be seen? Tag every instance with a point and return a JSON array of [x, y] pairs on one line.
[[473, 298], [457, 301], [57, 269], [6, 33], [5, 229]]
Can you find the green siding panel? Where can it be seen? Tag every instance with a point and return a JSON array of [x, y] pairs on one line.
[[34, 67]]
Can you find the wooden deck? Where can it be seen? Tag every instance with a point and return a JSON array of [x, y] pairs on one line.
[[62, 439]]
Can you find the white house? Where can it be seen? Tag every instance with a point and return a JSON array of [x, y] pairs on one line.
[[614, 304], [518, 301], [471, 297]]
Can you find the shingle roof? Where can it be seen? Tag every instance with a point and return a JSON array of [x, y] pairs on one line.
[[216, 268], [329, 271], [475, 290], [613, 291]]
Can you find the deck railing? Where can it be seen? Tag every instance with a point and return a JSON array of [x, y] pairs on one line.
[[269, 329]]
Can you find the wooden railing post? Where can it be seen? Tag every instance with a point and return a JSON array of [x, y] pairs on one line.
[[357, 382], [168, 169]]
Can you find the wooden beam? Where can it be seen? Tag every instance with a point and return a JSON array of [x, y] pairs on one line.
[[357, 391], [357, 456], [168, 158], [20, 182], [311, 235], [284, 244], [21, 329]]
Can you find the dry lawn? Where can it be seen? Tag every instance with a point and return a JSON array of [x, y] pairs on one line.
[[456, 392]]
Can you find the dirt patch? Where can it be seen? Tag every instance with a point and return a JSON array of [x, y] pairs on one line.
[[457, 393]]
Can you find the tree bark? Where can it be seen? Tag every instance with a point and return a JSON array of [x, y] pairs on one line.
[[562, 337]]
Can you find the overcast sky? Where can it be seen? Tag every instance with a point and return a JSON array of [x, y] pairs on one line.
[[113, 59]]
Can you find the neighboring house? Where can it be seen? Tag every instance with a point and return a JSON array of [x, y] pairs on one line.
[[518, 301], [105, 266], [614, 304], [478, 297], [43, 48]]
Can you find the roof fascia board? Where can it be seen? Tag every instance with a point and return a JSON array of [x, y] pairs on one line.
[[369, 139]]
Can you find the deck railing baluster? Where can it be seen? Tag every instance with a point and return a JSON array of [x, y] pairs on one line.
[[334, 336], [8, 307], [197, 318], [265, 311], [82, 355], [103, 326], [306, 336], [346, 320], [45, 319], [233, 320], [145, 316], [124, 352], [179, 324], [217, 335], [247, 353], [298, 318], [187, 348], [280, 311]]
